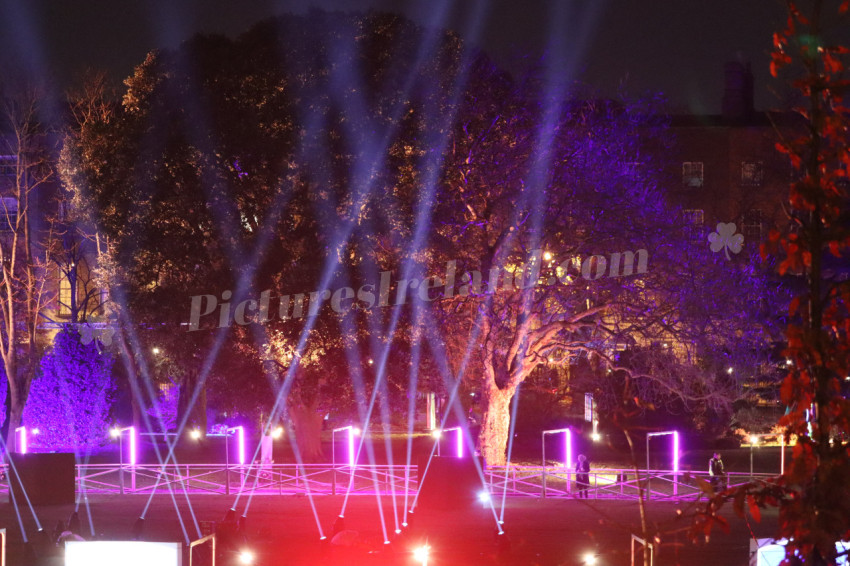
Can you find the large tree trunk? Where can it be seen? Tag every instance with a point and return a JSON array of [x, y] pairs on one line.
[[14, 405], [496, 424], [308, 431], [14, 417], [197, 413]]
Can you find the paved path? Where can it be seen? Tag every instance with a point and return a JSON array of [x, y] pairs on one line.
[[283, 530]]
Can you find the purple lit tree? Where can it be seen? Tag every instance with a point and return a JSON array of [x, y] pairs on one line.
[[71, 398]]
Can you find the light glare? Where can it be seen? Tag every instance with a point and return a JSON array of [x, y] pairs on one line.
[[421, 554]]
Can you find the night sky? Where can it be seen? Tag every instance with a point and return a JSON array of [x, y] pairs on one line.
[[674, 47]]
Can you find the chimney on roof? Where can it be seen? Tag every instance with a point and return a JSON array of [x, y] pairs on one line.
[[738, 94]]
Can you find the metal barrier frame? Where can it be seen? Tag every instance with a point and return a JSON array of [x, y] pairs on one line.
[[319, 479], [199, 542], [632, 544]]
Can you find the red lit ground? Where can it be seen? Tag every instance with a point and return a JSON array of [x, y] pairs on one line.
[[282, 530]]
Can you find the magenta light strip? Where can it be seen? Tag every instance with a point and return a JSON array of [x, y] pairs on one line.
[[675, 451], [21, 431], [240, 438], [133, 453], [458, 438], [568, 448], [351, 446]]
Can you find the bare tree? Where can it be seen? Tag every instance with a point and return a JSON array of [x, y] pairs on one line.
[[23, 257]]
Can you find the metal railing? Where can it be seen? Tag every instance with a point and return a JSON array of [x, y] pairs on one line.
[[554, 481], [259, 479], [327, 479]]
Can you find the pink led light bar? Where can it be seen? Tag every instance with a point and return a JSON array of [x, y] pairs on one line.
[[132, 436], [240, 440], [676, 451], [21, 432], [351, 455], [458, 439], [568, 446]]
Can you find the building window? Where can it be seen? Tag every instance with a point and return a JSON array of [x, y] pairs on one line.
[[752, 228], [752, 173], [64, 295], [8, 214], [692, 174], [694, 220], [8, 165]]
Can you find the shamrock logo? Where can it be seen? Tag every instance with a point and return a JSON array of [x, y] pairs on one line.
[[89, 333], [726, 239]]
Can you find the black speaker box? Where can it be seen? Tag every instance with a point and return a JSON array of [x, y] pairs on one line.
[[449, 483], [47, 479]]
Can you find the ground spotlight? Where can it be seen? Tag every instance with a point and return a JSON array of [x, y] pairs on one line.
[[115, 432], [421, 554], [196, 434], [137, 533], [246, 557], [437, 433], [590, 559], [278, 432], [484, 497], [596, 437]]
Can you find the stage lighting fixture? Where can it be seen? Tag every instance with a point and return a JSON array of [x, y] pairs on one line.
[[484, 497], [398, 531], [137, 533], [437, 433], [596, 437], [115, 432], [246, 557], [590, 559], [754, 439], [278, 432], [74, 523], [195, 434], [339, 526]]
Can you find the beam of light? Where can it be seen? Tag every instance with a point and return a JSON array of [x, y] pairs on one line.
[[512, 428], [423, 209], [128, 326], [10, 465]]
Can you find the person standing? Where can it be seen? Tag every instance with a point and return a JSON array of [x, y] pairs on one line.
[[582, 476], [717, 472]]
